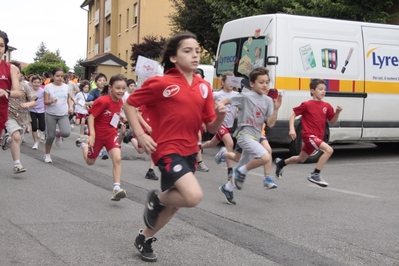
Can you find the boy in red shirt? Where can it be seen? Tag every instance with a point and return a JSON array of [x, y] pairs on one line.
[[103, 131], [315, 113]]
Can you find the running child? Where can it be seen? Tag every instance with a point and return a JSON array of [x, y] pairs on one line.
[[38, 120], [81, 108], [103, 120], [254, 109], [315, 113], [223, 133], [59, 106], [9, 85], [18, 120], [177, 104]]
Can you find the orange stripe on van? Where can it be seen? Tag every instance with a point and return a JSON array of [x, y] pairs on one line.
[[290, 83]]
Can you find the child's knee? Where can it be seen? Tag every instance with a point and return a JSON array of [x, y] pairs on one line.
[[194, 199], [16, 136], [65, 134], [266, 158], [329, 150]]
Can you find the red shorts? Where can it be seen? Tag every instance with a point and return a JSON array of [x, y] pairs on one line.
[[80, 116], [221, 132], [109, 144], [310, 144]]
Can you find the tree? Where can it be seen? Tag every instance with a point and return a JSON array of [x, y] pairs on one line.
[[41, 50], [40, 67], [51, 58], [151, 47], [79, 70], [360, 10], [196, 17], [205, 18]]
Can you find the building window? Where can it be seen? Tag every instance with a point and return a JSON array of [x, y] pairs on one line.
[[108, 28], [136, 13], [97, 34], [127, 19], [120, 24]]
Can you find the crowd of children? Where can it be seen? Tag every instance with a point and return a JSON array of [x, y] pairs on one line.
[[109, 113]]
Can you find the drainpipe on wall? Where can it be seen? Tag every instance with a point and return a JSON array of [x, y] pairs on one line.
[[87, 42], [138, 23]]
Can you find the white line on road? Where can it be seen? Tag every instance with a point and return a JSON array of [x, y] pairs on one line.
[[330, 188], [374, 162], [346, 192]]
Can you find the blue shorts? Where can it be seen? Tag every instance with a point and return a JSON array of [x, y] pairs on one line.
[[174, 166]]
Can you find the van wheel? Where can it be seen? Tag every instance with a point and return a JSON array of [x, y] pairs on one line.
[[296, 145]]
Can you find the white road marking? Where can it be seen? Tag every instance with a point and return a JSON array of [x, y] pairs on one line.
[[330, 188], [374, 162], [346, 192]]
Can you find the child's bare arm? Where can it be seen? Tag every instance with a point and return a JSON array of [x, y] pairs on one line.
[[92, 131], [271, 120], [220, 111], [143, 122], [292, 131], [334, 120]]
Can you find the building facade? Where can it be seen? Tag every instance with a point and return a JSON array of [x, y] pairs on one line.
[[7, 55], [114, 25]]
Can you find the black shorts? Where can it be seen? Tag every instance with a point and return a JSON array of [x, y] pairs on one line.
[[174, 166]]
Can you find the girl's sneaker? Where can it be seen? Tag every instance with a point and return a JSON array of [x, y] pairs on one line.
[[41, 135], [35, 146], [58, 140], [47, 158]]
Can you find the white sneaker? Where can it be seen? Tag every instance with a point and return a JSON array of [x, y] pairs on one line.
[[58, 140], [41, 135], [35, 146], [19, 169], [47, 159], [118, 194]]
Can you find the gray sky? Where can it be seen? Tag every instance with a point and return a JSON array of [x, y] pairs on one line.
[[59, 24]]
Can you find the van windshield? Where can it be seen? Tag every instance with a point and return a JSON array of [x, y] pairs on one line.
[[241, 55]]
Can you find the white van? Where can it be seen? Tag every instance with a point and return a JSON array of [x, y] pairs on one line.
[[359, 62], [209, 71]]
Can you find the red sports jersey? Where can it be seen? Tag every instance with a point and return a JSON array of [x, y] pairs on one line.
[[5, 84], [146, 118], [314, 117], [103, 110], [176, 111]]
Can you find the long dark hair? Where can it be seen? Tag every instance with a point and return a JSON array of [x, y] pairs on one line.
[[171, 47]]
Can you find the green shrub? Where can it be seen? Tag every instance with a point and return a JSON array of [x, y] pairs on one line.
[[40, 67]]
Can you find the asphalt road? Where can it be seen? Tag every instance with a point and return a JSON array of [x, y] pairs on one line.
[[61, 213]]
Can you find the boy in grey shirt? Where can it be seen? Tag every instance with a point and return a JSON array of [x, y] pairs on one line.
[[254, 109]]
